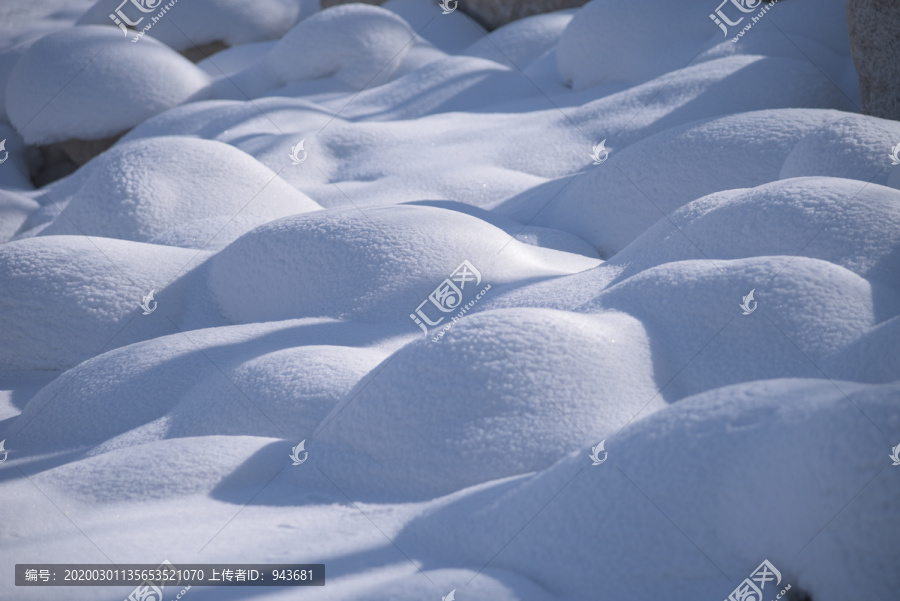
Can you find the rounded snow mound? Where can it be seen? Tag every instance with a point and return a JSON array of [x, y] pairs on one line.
[[612, 204], [250, 380], [359, 44], [141, 189], [68, 298], [294, 388], [199, 22], [803, 311], [854, 146], [165, 469], [873, 358], [451, 34], [378, 264], [610, 41], [695, 481], [484, 402], [846, 222], [88, 83], [521, 42]]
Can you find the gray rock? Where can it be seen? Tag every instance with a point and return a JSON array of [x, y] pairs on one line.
[[330, 3], [497, 13], [875, 46], [492, 13]]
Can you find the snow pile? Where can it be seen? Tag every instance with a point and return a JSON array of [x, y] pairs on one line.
[[85, 82], [706, 346], [609, 41], [185, 25], [390, 259], [357, 44], [68, 298], [635, 529], [142, 189], [491, 406], [518, 371]]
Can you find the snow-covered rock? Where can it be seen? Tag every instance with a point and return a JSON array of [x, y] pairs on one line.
[[87, 82], [142, 189], [185, 24], [490, 406], [767, 453]]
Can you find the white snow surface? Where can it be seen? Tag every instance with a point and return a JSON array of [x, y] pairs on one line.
[[638, 379], [84, 82]]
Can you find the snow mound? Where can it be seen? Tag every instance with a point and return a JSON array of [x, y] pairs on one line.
[[67, 298], [294, 388], [88, 83], [612, 204], [684, 493], [521, 42], [487, 583], [161, 469], [492, 404], [359, 44], [450, 33], [609, 41], [846, 222], [390, 260], [264, 380], [199, 22], [139, 190], [14, 212], [804, 311], [873, 358], [852, 146]]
